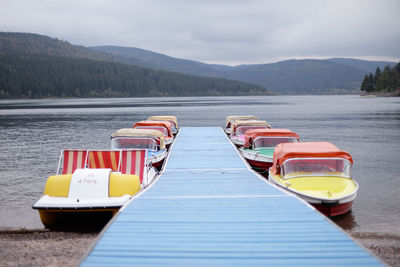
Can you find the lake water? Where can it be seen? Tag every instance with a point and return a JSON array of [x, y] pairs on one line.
[[33, 132]]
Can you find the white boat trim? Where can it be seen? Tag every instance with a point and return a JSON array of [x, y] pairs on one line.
[[168, 140], [157, 158], [237, 141], [48, 202], [255, 156]]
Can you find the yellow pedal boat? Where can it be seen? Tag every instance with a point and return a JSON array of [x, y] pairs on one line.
[[92, 183], [317, 172]]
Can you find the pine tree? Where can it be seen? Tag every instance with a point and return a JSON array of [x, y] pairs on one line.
[[371, 83], [378, 74], [364, 84], [384, 81]]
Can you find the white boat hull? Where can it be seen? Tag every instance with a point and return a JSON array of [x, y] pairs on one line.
[[236, 141], [255, 156], [68, 203]]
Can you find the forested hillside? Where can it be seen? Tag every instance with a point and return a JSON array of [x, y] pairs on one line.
[[330, 76], [145, 58], [387, 81], [35, 44], [33, 65], [35, 76]]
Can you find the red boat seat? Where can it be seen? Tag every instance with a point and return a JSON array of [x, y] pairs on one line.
[[134, 162], [100, 159], [73, 159]]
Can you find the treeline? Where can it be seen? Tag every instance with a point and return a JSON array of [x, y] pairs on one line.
[[386, 81], [37, 76]]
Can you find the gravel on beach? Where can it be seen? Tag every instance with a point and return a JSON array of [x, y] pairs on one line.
[[44, 248], [53, 248], [386, 247]]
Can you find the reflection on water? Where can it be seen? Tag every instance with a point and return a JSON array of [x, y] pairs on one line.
[[132, 102], [345, 221], [35, 131]]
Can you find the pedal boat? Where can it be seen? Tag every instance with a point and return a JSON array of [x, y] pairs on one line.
[[172, 119], [239, 128], [259, 146], [163, 126], [151, 140], [230, 119], [92, 182], [317, 172]]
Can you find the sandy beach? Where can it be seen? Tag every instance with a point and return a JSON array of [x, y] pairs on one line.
[[51, 248]]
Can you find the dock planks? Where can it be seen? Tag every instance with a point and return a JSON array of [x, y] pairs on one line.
[[209, 209]]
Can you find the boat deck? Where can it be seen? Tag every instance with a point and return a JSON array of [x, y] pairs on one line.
[[209, 209]]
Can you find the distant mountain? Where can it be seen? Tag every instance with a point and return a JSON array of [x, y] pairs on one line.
[[35, 44], [145, 58], [336, 75], [35, 66], [300, 76], [364, 65]]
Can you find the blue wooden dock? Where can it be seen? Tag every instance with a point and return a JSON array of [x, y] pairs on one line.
[[209, 209]]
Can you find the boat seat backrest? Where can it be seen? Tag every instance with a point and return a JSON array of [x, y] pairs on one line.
[[73, 159], [134, 162], [103, 159]]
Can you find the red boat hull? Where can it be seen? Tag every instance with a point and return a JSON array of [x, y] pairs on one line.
[[259, 165], [334, 210], [158, 164]]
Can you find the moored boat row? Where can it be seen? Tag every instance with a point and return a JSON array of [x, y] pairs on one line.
[[99, 181], [151, 140], [240, 127], [96, 181], [317, 172], [259, 145], [232, 118]]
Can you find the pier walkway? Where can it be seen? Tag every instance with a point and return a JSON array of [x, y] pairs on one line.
[[209, 209]]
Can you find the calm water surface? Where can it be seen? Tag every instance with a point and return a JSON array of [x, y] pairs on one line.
[[34, 131]]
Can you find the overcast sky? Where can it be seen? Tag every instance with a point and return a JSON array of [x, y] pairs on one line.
[[227, 32]]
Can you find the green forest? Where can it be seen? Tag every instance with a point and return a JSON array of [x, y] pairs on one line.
[[37, 76], [385, 81], [37, 66]]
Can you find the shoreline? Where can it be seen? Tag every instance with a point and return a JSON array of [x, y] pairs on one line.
[[381, 94], [42, 247]]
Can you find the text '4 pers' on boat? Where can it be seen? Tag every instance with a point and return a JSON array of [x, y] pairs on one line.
[[239, 128], [151, 140], [259, 146], [93, 182], [317, 172]]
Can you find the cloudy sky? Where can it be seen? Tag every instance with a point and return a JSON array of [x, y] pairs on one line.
[[218, 31]]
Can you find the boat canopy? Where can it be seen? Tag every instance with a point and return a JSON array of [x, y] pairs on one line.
[[130, 132], [286, 151], [165, 124], [249, 122], [230, 119], [251, 135], [164, 118]]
